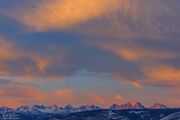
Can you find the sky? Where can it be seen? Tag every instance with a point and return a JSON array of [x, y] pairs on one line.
[[89, 52]]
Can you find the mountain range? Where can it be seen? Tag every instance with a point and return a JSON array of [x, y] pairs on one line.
[[129, 111], [71, 109], [136, 105]]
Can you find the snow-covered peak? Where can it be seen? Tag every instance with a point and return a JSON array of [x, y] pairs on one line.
[[54, 107], [42, 108], [88, 107], [132, 105], [23, 108], [158, 106], [115, 107], [5, 109], [38, 107], [69, 107]]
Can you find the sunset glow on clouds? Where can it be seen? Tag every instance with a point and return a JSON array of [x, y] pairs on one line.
[[35, 68], [89, 52], [28, 96], [103, 101], [64, 13], [137, 54], [164, 74]]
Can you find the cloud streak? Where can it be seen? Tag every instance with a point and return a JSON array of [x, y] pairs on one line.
[[163, 74], [15, 62], [104, 101], [57, 14], [7, 50], [151, 19], [17, 96], [134, 53]]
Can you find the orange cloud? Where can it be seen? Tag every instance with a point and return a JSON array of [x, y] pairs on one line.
[[104, 101], [17, 96], [57, 14], [9, 103], [65, 94], [163, 74], [37, 68], [136, 83], [134, 54], [127, 54], [159, 75], [98, 99], [151, 19], [41, 62], [132, 82], [8, 51]]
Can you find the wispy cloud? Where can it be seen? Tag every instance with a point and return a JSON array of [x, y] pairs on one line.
[[57, 14], [130, 16], [167, 75], [137, 53], [104, 101], [15, 62], [30, 95], [8, 51]]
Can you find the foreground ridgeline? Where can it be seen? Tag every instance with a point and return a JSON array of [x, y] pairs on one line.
[[129, 111]]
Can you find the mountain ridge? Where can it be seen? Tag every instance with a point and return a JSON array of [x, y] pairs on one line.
[[129, 111], [54, 107]]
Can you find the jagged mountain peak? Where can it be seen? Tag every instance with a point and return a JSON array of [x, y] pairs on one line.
[[129, 105], [54, 107], [69, 107], [89, 107], [159, 106], [132, 105], [115, 107]]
